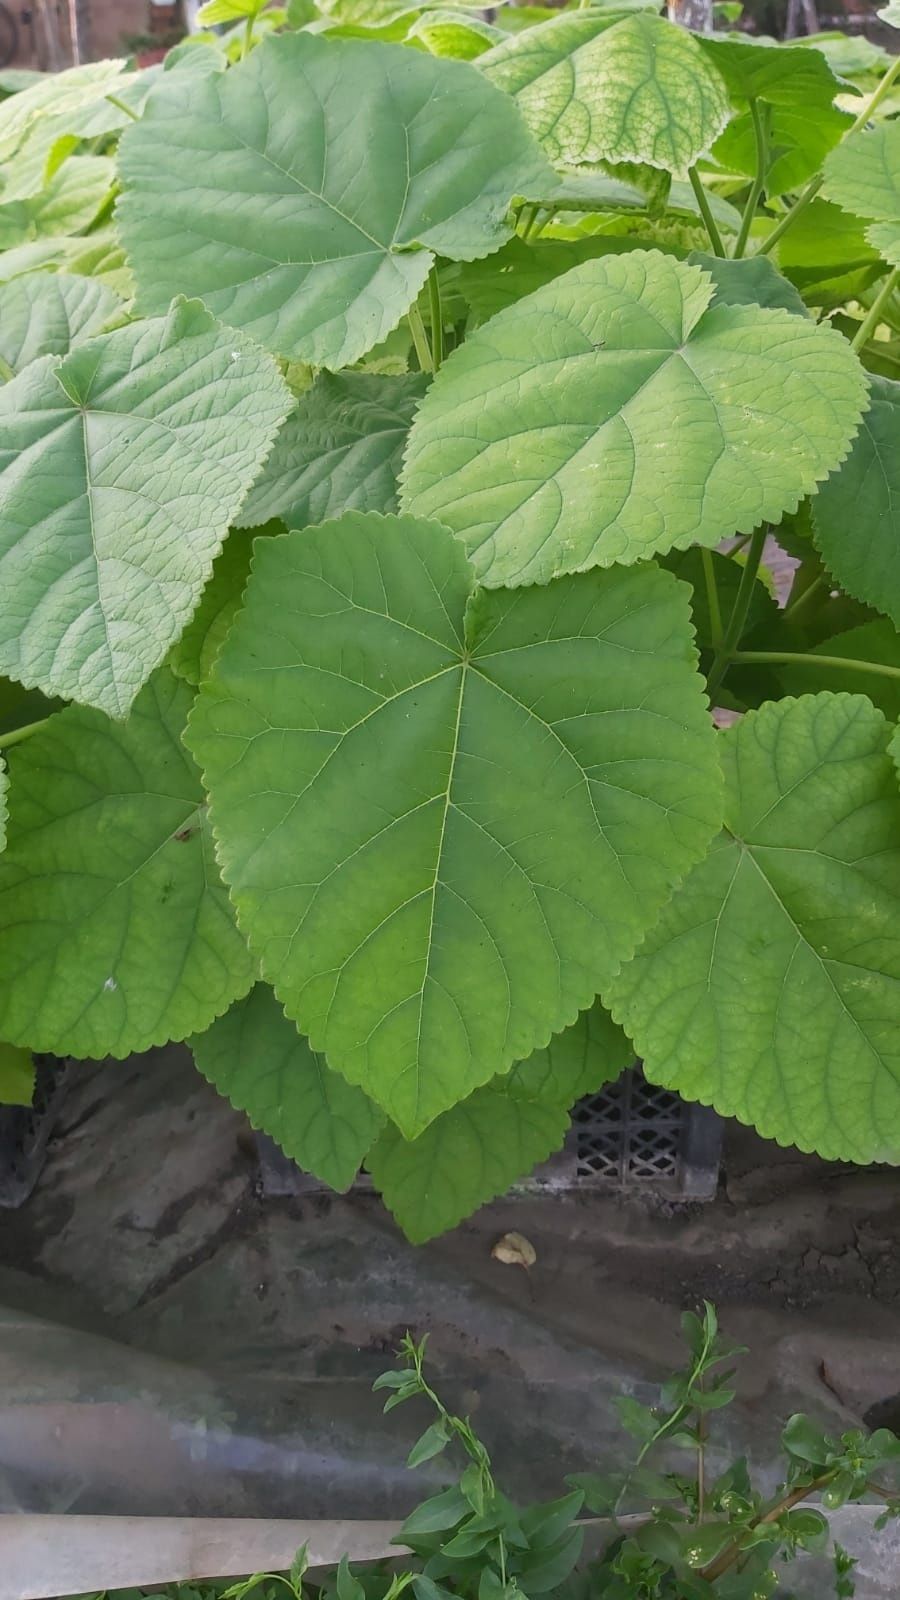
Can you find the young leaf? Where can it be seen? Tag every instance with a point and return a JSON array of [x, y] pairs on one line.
[[478, 1149], [46, 313], [115, 932], [863, 176], [612, 415], [16, 1076], [347, 1586], [121, 467], [451, 33], [433, 1441], [864, 495], [770, 987], [325, 194], [442, 1511], [597, 86], [446, 820], [340, 450]]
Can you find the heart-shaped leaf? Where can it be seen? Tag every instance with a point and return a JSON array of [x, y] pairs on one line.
[[479, 1148], [863, 176], [121, 467], [446, 818], [616, 413], [864, 495], [256, 1057], [325, 175], [46, 313], [770, 988], [596, 86], [340, 449], [115, 931]]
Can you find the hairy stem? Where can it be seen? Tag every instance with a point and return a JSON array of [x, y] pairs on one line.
[[715, 238], [420, 338], [840, 663], [806, 594], [727, 652], [760, 115], [121, 106], [873, 315], [712, 597], [18, 735], [437, 319]]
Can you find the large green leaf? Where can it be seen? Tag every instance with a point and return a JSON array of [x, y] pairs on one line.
[[863, 176], [754, 281], [46, 313], [121, 467], [115, 931], [798, 87], [445, 820], [595, 86], [856, 514], [324, 176], [69, 203], [475, 1151], [340, 450], [770, 987], [614, 414], [256, 1057]]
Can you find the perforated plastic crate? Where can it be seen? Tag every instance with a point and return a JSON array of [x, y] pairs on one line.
[[629, 1136]]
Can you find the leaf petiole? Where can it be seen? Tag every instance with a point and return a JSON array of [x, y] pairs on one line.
[[727, 653], [420, 338], [437, 319], [709, 221], [761, 119], [840, 663], [18, 735], [873, 316]]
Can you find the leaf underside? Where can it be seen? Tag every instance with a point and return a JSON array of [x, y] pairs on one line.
[[446, 819]]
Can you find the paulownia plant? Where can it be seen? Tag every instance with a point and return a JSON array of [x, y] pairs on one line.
[[420, 437]]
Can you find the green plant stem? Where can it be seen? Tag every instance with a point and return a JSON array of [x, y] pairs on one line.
[[761, 131], [815, 184], [420, 338], [811, 589], [726, 653], [121, 106], [6, 371], [735, 1547], [671, 1423], [715, 238], [437, 320], [873, 315], [712, 597], [18, 735], [529, 218], [247, 44], [840, 663]]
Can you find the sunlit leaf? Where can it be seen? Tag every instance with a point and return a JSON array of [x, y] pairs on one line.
[[615, 414], [445, 820]]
